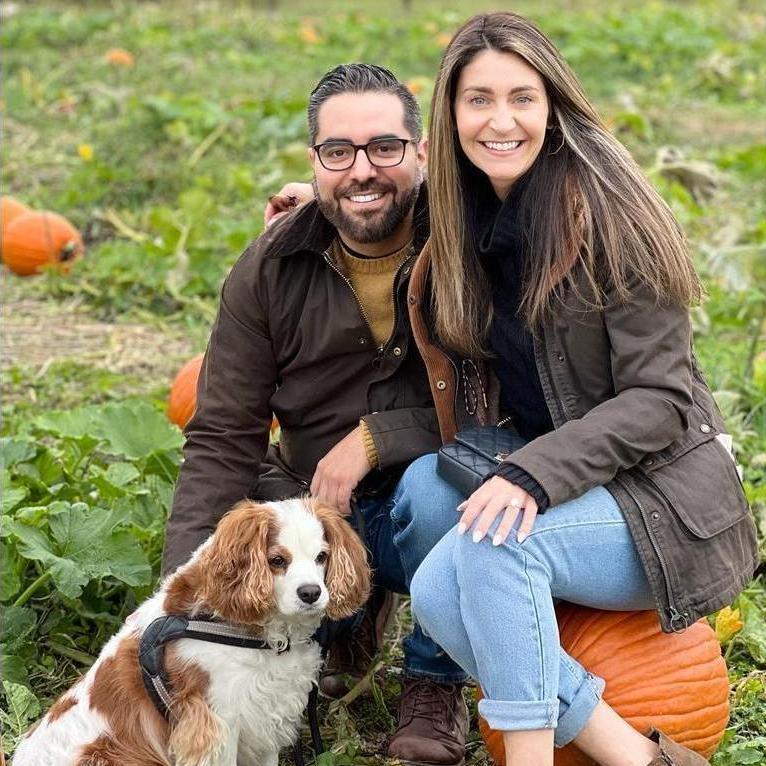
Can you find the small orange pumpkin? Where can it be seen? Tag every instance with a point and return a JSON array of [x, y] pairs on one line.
[[183, 395], [675, 682], [183, 392], [38, 239], [119, 57], [12, 208]]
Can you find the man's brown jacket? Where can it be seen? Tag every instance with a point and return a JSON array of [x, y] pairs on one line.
[[289, 339]]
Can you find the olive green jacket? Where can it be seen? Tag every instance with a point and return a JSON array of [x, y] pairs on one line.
[[631, 411]]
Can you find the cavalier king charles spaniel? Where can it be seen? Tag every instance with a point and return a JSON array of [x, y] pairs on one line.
[[270, 572]]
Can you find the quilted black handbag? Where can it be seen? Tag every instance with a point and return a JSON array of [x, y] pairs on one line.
[[474, 455]]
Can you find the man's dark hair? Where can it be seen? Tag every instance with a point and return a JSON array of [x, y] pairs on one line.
[[363, 78]]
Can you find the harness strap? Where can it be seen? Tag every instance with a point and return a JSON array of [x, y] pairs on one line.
[[171, 627]]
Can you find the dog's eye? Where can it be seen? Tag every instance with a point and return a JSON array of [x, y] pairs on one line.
[[277, 562], [322, 558]]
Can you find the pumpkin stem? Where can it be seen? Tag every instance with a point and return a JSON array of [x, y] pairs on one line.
[[69, 251]]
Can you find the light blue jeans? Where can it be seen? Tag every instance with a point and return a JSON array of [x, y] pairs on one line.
[[491, 608]]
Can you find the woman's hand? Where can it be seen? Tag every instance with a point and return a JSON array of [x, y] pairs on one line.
[[286, 199], [494, 497]]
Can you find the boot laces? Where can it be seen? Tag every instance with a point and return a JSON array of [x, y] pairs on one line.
[[430, 701]]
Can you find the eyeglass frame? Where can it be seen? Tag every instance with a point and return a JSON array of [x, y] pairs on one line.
[[363, 147]]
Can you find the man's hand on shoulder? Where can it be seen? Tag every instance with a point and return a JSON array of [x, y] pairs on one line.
[[340, 470], [285, 200]]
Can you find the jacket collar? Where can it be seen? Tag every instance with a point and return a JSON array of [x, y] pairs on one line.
[[308, 230]]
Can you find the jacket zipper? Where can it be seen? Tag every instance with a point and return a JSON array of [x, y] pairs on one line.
[[677, 620], [351, 287]]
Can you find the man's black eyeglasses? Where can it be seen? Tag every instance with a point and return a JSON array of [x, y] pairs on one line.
[[382, 153]]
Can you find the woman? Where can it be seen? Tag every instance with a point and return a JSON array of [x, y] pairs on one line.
[[555, 270]]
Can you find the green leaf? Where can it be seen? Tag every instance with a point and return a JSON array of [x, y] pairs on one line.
[[87, 537], [10, 584], [70, 424], [14, 451], [12, 496], [22, 708], [85, 546], [18, 623], [121, 474], [14, 669], [137, 430]]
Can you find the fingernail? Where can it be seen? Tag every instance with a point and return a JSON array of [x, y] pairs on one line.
[[497, 539], [478, 535], [521, 537], [461, 528], [516, 503], [462, 505]]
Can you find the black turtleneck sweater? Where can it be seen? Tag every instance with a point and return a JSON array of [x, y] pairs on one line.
[[499, 244]]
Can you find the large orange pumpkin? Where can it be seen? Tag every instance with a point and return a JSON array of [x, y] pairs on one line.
[[12, 208], [39, 239], [675, 682], [183, 395]]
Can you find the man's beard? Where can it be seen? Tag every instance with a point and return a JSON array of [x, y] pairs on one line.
[[378, 226]]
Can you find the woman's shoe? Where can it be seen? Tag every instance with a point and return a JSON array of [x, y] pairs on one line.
[[673, 754]]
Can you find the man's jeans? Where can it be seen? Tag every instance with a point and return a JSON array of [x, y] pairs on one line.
[[398, 543], [491, 607]]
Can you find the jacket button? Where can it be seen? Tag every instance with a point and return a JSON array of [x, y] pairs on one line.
[[412, 299], [560, 357], [648, 461], [705, 428], [655, 516], [362, 341], [441, 385], [397, 351]]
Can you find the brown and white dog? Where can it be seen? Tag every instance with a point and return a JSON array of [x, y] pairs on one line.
[[273, 569]]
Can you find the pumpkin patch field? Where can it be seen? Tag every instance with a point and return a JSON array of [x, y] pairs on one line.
[[140, 143]]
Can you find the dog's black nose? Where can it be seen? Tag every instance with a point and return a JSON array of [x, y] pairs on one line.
[[309, 593]]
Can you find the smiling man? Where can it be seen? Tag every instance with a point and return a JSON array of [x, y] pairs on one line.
[[313, 327]]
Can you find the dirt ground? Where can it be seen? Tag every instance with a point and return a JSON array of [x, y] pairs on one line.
[[38, 331]]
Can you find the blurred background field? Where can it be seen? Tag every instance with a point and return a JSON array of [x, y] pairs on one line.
[[163, 157]]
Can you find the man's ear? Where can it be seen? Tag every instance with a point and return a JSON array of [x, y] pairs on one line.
[[423, 152]]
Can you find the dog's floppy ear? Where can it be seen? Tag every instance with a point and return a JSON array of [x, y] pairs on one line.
[[237, 581], [348, 574]]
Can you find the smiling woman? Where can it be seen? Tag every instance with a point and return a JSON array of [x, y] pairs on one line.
[[557, 279]]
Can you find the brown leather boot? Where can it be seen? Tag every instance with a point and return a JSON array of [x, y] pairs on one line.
[[433, 723], [350, 658], [673, 754]]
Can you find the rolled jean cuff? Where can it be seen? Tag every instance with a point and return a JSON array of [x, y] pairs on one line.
[[580, 709], [519, 716]]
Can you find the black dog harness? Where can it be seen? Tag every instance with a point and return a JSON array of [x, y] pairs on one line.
[[151, 652]]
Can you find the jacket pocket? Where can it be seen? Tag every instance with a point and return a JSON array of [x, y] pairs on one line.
[[698, 479]]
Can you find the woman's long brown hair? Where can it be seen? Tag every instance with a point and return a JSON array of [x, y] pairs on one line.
[[586, 204]]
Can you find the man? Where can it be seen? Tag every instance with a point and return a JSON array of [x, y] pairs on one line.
[[313, 327]]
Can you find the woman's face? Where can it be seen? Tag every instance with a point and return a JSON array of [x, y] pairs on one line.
[[501, 111]]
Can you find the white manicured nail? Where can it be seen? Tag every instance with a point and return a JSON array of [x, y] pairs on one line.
[[461, 528], [478, 536], [497, 539]]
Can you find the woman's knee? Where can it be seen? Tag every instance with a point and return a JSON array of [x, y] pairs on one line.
[[425, 501]]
